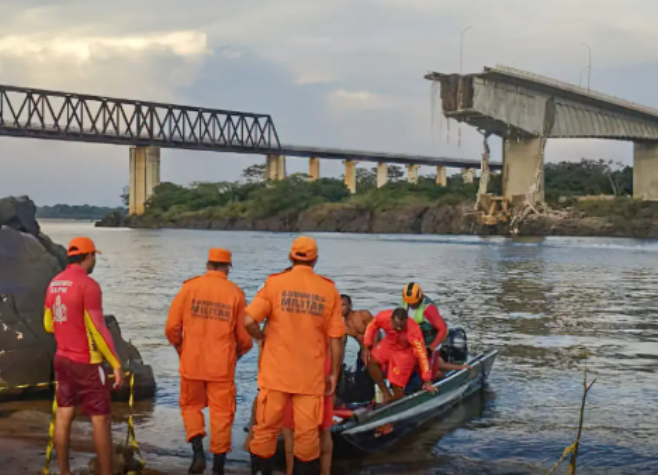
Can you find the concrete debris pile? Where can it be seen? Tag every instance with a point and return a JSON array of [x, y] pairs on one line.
[[28, 261]]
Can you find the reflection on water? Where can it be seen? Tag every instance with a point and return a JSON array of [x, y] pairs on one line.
[[555, 307]]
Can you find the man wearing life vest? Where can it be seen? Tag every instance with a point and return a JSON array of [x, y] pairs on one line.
[[74, 313], [304, 322], [206, 326], [397, 353], [426, 314]]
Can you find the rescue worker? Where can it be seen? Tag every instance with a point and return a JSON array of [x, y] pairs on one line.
[[397, 353], [326, 440], [426, 314], [303, 313], [206, 327], [356, 321], [74, 313]]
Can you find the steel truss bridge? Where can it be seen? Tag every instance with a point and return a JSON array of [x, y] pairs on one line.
[[54, 115]]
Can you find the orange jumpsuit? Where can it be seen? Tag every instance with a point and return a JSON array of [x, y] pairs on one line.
[[206, 325], [303, 310]]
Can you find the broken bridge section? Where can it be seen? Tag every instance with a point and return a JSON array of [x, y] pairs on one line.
[[526, 109]]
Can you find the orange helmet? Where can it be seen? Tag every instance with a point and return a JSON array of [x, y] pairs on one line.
[[412, 293]]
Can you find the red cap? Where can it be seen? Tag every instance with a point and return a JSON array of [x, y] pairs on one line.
[[81, 245], [304, 249], [221, 256]]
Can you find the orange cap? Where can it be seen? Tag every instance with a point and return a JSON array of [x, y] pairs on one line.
[[81, 245], [221, 256], [304, 248]]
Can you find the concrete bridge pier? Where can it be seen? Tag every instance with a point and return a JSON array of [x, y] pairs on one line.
[[412, 174], [275, 168], [523, 168], [645, 170], [382, 174], [314, 168], [144, 177], [441, 178], [350, 175], [468, 174]]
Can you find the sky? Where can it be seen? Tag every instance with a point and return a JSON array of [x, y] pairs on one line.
[[335, 73]]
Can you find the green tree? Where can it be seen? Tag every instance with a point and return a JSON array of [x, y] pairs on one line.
[[254, 173]]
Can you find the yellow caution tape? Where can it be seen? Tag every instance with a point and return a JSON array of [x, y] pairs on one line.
[[566, 452], [131, 441], [51, 437]]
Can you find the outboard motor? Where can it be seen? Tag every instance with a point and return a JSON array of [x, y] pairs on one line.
[[455, 347]]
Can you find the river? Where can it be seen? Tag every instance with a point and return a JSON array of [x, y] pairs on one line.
[[555, 307]]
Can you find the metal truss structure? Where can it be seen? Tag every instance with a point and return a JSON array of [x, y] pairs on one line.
[[41, 114]]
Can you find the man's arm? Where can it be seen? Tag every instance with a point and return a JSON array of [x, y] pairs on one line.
[[48, 324], [434, 317], [174, 326], [95, 323], [257, 311], [243, 340], [415, 338], [335, 335], [371, 333]]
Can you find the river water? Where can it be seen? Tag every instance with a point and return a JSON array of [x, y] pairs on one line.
[[555, 308]]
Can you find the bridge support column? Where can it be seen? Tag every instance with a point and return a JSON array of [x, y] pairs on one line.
[[382, 174], [275, 168], [144, 177], [412, 174], [468, 174], [523, 168], [314, 168], [441, 178], [645, 170], [350, 175]]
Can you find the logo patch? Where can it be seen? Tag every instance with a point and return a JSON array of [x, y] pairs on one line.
[[59, 311]]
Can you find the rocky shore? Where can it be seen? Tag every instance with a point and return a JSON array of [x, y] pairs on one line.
[[411, 219]]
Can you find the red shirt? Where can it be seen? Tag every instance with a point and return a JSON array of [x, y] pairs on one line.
[[411, 337], [74, 313]]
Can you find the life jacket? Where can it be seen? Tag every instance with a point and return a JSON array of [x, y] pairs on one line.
[[429, 332]]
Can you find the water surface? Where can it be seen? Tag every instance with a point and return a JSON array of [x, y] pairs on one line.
[[555, 307]]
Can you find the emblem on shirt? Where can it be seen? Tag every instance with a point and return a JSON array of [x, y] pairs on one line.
[[59, 310]]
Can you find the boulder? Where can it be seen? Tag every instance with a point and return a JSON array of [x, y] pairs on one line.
[[28, 262]]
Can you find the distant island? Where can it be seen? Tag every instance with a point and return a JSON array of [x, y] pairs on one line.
[[586, 198], [82, 212]]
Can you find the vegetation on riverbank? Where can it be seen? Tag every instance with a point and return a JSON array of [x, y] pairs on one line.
[[299, 204], [85, 212]]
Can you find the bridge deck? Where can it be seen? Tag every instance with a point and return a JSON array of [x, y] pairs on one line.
[[54, 115]]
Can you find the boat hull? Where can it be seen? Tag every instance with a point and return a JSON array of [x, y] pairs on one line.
[[384, 427]]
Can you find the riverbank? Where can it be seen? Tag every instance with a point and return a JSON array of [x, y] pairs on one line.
[[607, 218]]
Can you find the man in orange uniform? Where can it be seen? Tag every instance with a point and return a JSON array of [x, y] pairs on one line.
[[206, 326], [326, 440], [397, 353], [303, 312], [74, 313]]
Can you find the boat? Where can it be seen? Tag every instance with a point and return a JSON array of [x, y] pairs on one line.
[[364, 429]]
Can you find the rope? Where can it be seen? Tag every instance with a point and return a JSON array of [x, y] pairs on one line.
[[566, 452], [131, 441]]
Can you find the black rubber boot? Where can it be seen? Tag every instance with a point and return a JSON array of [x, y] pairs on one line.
[[261, 466], [218, 462], [306, 468], [199, 457]]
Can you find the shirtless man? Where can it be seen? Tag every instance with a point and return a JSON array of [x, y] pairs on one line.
[[356, 322]]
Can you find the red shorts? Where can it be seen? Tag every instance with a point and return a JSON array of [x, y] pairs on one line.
[[399, 364], [327, 414], [84, 385]]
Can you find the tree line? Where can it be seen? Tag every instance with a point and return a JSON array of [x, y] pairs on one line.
[[255, 197]]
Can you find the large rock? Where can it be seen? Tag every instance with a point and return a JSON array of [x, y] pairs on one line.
[[28, 262]]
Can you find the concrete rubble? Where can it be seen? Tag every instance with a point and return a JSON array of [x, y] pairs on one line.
[[28, 261]]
